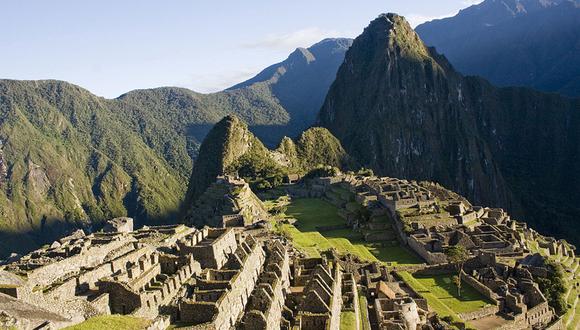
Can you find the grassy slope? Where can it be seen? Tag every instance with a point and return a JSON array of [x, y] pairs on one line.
[[311, 213], [364, 311], [230, 147], [73, 158]]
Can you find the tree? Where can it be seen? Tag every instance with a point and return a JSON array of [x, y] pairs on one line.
[[553, 287], [366, 172], [457, 255]]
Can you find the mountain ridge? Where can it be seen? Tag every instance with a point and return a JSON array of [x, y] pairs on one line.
[[528, 43]]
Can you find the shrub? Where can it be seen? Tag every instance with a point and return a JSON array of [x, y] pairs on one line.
[[553, 287]]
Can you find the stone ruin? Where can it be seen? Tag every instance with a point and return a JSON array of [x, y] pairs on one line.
[[315, 297], [225, 278], [209, 278], [395, 304], [512, 289], [429, 219], [203, 278], [228, 202]]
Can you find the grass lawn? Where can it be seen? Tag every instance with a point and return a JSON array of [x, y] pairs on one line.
[[312, 212], [434, 302], [441, 294], [347, 321], [111, 322]]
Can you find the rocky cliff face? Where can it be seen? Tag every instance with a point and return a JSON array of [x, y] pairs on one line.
[[400, 108]]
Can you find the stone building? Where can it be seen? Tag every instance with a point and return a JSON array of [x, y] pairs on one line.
[[264, 310], [399, 313], [200, 276], [315, 299], [211, 247], [119, 225], [220, 295], [518, 297]]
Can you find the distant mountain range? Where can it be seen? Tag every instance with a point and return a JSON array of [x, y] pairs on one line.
[[533, 43], [300, 84], [400, 108], [69, 158]]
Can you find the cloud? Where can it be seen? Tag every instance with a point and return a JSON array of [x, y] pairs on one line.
[[416, 19], [471, 2], [220, 80], [287, 41]]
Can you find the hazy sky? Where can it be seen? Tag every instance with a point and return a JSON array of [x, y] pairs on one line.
[[111, 47]]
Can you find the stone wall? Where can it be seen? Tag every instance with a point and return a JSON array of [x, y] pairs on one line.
[[431, 258], [267, 300], [540, 314], [230, 303], [214, 254], [161, 322], [101, 304], [91, 257], [481, 288], [350, 297], [483, 312]]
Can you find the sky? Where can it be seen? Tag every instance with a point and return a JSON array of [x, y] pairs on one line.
[[113, 46]]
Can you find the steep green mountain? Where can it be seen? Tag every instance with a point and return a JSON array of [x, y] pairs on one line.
[[531, 43], [400, 108], [69, 158], [230, 148], [72, 159]]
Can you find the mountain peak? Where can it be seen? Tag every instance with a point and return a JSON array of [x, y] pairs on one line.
[[397, 35]]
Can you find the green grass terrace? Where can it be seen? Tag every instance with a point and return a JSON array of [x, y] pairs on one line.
[[313, 213], [441, 294]]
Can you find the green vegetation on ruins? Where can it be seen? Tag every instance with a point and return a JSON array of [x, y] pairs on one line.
[[565, 271], [443, 288], [553, 286], [364, 312]]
